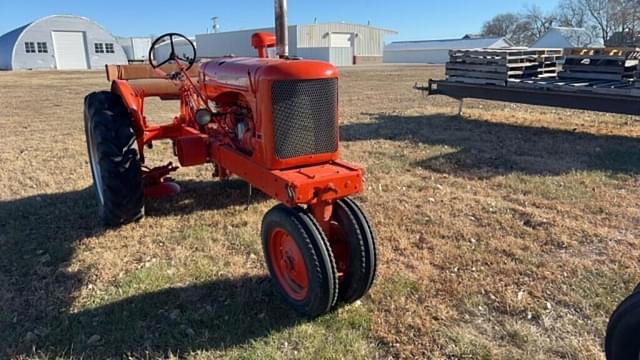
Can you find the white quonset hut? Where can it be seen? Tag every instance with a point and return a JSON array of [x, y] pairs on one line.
[[341, 44], [62, 42], [437, 51], [564, 37]]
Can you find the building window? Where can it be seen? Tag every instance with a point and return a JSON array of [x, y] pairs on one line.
[[30, 47], [108, 48], [42, 48], [99, 48]]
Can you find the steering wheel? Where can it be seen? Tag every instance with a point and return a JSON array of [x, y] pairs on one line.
[[173, 55]]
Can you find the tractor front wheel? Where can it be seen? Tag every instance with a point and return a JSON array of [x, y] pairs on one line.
[[300, 261], [354, 246], [114, 159]]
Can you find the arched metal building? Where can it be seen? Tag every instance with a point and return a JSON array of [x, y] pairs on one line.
[[63, 42]]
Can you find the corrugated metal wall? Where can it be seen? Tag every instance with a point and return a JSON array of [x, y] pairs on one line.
[[338, 56], [428, 56], [7, 43], [141, 48], [341, 56], [368, 41], [237, 43], [307, 41], [315, 53], [435, 51]]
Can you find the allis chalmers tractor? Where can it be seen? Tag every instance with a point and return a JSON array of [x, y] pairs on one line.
[[270, 121]]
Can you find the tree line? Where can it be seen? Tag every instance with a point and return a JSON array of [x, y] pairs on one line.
[[616, 22]]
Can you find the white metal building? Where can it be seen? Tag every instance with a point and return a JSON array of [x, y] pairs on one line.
[[136, 48], [63, 42], [339, 43], [437, 51], [563, 37], [181, 46]]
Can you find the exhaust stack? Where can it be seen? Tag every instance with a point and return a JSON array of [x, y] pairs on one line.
[[282, 29]]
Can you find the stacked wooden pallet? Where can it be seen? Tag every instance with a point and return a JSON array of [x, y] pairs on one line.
[[614, 64], [497, 66]]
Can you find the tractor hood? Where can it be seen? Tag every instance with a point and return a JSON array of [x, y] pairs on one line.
[[245, 72]]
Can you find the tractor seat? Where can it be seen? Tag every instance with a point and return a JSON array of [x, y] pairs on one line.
[[163, 88], [147, 82]]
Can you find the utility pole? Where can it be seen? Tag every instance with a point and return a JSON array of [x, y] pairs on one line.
[[216, 26]]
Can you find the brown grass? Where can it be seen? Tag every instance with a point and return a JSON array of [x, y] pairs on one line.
[[508, 233]]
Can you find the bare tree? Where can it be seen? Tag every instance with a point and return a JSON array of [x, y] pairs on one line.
[[571, 13], [616, 22], [602, 13], [540, 22], [624, 22], [523, 34], [522, 29], [500, 25]]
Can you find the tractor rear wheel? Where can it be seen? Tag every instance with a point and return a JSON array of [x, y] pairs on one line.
[[621, 342], [114, 159], [299, 259], [354, 246]]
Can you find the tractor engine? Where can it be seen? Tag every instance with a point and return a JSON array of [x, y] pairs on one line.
[[244, 128], [239, 125], [283, 111]]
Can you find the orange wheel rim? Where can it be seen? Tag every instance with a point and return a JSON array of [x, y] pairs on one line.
[[288, 264]]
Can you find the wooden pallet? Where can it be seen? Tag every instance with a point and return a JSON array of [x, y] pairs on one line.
[[627, 53], [602, 69], [507, 53], [496, 66], [615, 64]]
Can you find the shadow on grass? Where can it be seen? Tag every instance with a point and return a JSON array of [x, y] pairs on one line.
[[210, 316], [486, 149], [38, 236], [204, 195]]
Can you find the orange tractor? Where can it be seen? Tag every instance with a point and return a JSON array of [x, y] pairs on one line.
[[270, 121]]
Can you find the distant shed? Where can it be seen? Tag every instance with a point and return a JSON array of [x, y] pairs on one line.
[[564, 37], [136, 48], [437, 51], [63, 42], [341, 44]]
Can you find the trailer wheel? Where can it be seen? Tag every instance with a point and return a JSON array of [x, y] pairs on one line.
[[299, 260], [622, 341], [354, 246], [114, 160]]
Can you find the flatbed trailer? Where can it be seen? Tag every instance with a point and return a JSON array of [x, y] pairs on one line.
[[593, 96]]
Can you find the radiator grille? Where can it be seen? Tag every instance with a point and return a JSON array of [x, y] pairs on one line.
[[304, 117]]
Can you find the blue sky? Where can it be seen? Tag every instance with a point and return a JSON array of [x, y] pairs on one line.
[[413, 19]]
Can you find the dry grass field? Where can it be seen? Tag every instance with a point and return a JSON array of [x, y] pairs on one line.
[[510, 232]]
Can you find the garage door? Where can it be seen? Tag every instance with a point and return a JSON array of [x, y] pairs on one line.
[[341, 49], [340, 40], [70, 50]]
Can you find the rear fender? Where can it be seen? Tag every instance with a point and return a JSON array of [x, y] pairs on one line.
[[133, 102], [135, 105]]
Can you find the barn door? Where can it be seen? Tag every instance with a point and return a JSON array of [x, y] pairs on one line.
[[70, 50], [341, 49]]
